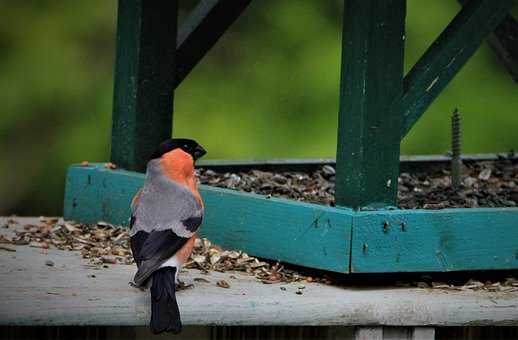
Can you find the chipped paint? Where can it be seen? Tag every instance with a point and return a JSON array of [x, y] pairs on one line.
[[432, 84]]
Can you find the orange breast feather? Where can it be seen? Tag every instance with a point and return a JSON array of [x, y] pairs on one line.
[[184, 252]]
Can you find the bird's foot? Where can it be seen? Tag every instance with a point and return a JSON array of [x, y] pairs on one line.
[[132, 284], [180, 285]]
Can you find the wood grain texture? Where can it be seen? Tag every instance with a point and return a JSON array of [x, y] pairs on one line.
[[446, 56], [367, 160], [294, 232], [304, 234], [369, 333], [74, 293], [401, 333], [423, 333], [144, 80], [435, 241]]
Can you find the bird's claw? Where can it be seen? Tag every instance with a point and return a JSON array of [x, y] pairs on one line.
[[134, 285], [179, 285]]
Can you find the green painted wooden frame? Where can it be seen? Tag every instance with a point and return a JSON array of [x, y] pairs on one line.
[[305, 234], [378, 106], [151, 62], [335, 239]]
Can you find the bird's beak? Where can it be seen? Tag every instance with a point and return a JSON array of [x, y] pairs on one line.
[[199, 152]]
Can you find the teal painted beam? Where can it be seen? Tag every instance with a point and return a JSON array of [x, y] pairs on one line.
[[289, 231], [144, 80], [367, 161], [435, 240], [293, 232], [96, 193], [446, 56], [317, 236]]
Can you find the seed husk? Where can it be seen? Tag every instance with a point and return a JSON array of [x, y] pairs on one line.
[[113, 248], [223, 284]]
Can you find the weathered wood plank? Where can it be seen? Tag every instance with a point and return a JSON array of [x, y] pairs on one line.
[[408, 333], [369, 333], [144, 80], [435, 241], [423, 333], [294, 232], [304, 234], [446, 56], [73, 332], [201, 30], [368, 127], [74, 293]]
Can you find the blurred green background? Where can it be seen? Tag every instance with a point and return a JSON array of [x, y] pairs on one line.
[[268, 89]]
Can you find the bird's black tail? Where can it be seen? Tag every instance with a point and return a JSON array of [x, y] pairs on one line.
[[165, 315]]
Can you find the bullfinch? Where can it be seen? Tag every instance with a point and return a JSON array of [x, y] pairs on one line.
[[166, 214]]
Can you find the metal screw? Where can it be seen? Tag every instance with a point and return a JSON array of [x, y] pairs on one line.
[[456, 162], [365, 248], [403, 226], [386, 225]]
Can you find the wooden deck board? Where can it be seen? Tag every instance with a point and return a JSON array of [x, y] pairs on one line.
[[33, 293]]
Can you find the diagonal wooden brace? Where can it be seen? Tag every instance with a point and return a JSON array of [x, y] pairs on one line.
[[446, 56], [201, 30]]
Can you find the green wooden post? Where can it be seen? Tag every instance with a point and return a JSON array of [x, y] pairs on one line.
[[144, 80], [367, 161]]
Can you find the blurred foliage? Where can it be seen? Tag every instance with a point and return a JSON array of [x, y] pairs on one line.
[[268, 89]]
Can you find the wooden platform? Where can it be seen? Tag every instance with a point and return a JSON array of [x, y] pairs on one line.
[[72, 292]]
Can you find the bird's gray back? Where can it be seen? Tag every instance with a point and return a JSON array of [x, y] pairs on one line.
[[164, 204]]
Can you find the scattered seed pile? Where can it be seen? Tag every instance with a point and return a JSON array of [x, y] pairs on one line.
[[105, 244], [484, 184], [510, 284], [102, 243], [207, 257]]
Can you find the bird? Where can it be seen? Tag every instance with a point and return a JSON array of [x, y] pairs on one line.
[[165, 216]]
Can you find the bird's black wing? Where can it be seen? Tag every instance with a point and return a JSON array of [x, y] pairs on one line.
[[136, 242], [151, 250]]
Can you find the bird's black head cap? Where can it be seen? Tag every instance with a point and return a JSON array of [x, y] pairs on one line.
[[188, 145]]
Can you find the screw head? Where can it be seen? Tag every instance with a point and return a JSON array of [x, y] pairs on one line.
[[386, 225]]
